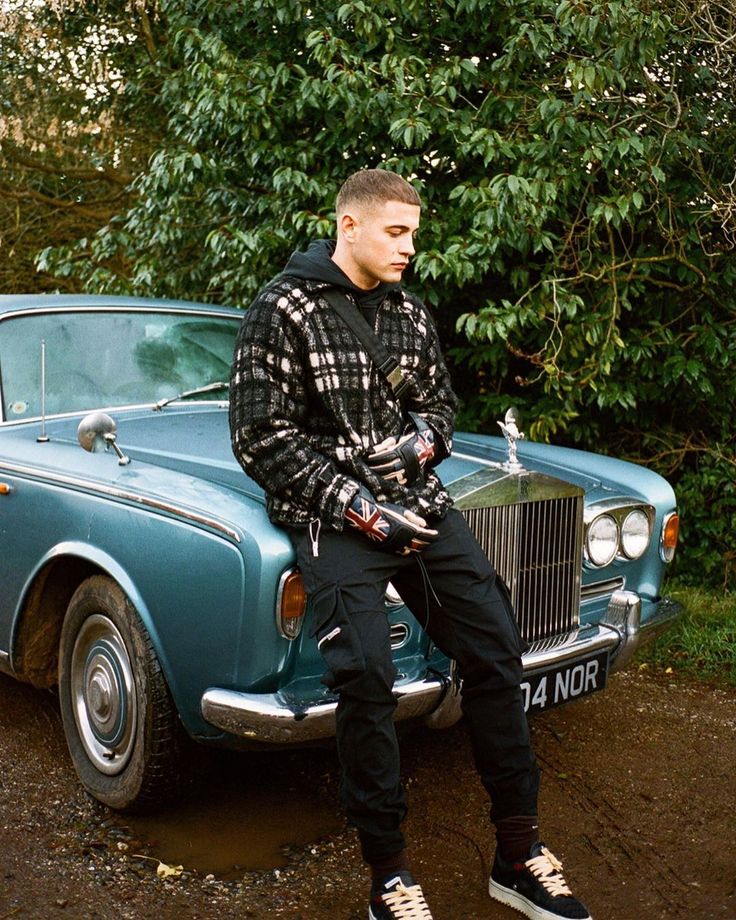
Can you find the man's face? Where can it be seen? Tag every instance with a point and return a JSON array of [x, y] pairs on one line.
[[380, 242]]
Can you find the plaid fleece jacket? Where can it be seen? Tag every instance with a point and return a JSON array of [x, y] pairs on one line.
[[307, 403]]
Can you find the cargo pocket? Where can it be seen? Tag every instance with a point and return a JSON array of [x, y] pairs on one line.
[[337, 638], [503, 590]]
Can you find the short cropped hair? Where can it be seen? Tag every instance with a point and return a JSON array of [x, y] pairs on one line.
[[370, 188]]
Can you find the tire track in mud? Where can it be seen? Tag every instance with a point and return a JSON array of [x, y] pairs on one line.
[[648, 765], [622, 849]]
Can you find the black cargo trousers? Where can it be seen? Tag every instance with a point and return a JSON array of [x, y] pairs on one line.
[[451, 588]]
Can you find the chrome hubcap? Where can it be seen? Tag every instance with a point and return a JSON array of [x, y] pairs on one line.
[[103, 694]]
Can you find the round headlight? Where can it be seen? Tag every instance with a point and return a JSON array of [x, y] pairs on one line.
[[602, 539], [635, 534]]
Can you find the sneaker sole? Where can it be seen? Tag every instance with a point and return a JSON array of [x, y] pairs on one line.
[[512, 898]]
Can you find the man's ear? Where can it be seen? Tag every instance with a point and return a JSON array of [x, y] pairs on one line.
[[347, 226]]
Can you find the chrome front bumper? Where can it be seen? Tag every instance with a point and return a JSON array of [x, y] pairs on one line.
[[270, 717]]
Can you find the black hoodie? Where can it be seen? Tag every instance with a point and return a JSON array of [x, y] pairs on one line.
[[316, 265]]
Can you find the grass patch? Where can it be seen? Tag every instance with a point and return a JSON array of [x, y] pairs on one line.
[[703, 642]]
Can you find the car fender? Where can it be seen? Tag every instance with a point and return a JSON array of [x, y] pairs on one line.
[[168, 634], [100, 563]]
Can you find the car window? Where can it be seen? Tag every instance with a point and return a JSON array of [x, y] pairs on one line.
[[109, 358]]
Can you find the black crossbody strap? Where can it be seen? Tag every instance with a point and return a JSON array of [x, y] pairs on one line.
[[357, 323]]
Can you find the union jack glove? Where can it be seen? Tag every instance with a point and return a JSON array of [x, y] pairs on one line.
[[404, 459], [396, 529]]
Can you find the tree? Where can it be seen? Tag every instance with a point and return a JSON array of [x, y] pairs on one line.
[[576, 163], [70, 139]]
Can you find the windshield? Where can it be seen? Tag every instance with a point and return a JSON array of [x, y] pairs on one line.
[[110, 358]]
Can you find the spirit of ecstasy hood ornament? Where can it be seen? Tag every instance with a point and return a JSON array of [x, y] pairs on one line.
[[510, 428]]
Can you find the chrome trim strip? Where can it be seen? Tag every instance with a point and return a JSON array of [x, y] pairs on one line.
[[618, 508], [123, 495], [128, 407], [601, 588], [473, 459], [111, 308]]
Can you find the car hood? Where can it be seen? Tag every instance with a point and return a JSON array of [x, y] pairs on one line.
[[198, 443]]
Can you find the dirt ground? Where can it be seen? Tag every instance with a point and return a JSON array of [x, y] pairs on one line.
[[638, 800]]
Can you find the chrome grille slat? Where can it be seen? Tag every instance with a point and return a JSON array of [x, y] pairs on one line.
[[536, 547]]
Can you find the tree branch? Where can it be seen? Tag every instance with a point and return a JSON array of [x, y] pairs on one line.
[[101, 214], [86, 174]]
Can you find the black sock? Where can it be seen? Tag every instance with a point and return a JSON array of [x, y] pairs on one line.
[[389, 865], [516, 836]]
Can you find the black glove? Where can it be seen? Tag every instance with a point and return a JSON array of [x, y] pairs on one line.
[[404, 460], [397, 529]]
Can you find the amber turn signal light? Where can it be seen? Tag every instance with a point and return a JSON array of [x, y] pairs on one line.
[[670, 533], [292, 602]]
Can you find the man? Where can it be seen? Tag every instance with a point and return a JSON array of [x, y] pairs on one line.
[[348, 470]]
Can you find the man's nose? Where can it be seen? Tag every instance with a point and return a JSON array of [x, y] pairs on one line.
[[407, 246]]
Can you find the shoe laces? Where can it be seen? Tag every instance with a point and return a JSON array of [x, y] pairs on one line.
[[407, 903], [548, 869]]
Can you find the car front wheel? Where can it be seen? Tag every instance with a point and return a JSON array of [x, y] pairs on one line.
[[121, 726]]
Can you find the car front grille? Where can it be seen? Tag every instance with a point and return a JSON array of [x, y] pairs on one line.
[[536, 547]]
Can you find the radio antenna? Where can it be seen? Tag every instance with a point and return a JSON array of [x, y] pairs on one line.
[[43, 437]]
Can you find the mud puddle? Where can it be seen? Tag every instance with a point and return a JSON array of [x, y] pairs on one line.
[[249, 813]]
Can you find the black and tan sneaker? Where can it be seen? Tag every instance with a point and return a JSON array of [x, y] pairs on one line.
[[536, 887], [398, 897]]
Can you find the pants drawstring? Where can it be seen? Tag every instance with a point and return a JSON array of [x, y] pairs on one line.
[[427, 584]]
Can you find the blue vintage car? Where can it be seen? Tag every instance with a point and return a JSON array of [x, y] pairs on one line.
[[142, 576]]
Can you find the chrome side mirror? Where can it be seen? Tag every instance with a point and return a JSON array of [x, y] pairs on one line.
[[96, 432]]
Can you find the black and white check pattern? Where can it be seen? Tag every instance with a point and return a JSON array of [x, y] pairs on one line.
[[306, 402]]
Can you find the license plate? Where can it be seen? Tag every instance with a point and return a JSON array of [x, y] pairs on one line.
[[554, 686]]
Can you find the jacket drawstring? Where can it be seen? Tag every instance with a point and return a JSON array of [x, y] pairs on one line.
[[314, 528]]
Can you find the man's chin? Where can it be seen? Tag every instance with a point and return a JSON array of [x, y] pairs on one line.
[[387, 276]]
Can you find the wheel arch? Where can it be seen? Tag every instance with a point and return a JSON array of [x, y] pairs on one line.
[[45, 598]]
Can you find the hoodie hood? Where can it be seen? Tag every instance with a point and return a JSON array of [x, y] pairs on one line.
[[316, 265]]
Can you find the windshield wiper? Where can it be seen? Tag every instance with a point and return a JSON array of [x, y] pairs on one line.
[[208, 388]]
